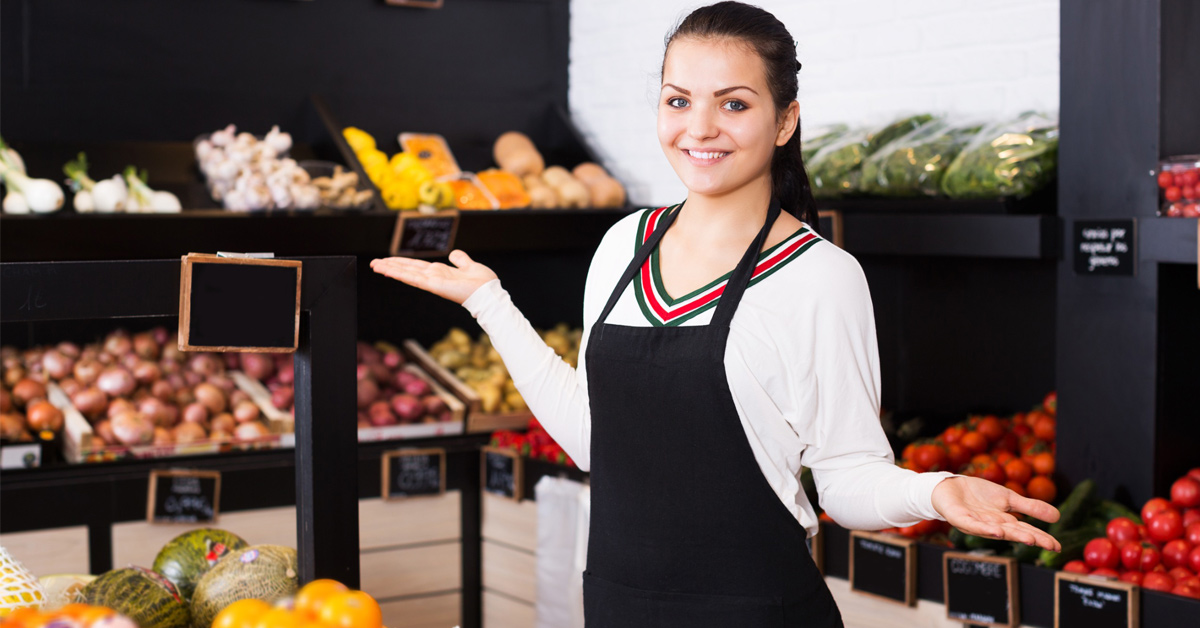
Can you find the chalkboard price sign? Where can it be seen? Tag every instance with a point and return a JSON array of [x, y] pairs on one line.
[[884, 566], [424, 235], [178, 496], [239, 304], [502, 472], [1105, 247], [981, 590], [411, 472], [1086, 601]]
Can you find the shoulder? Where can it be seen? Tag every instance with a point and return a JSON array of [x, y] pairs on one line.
[[827, 277], [621, 239]]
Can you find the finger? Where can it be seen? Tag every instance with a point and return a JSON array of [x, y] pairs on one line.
[[415, 279], [1035, 508], [460, 258], [399, 265]]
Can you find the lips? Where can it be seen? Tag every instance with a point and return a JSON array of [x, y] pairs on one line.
[[705, 158]]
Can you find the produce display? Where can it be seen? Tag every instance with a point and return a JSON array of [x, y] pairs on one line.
[[73, 616], [913, 164], [125, 192], [258, 572], [144, 596], [835, 168], [25, 194], [1179, 180], [192, 554], [405, 182], [534, 443], [24, 409], [318, 604], [1010, 158], [245, 173], [819, 138]]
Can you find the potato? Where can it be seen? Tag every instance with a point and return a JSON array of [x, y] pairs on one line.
[[606, 192], [588, 172], [573, 194], [515, 153], [543, 197], [555, 176]]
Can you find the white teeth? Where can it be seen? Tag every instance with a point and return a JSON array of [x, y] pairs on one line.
[[699, 155]]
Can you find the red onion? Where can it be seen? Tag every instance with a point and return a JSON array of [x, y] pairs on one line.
[[403, 378], [258, 365], [146, 372], [27, 390], [393, 359], [212, 397], [224, 422], [130, 360], [6, 404], [407, 407], [251, 431], [434, 404], [367, 392], [69, 349], [195, 413], [57, 365], [364, 420], [163, 437], [170, 351], [140, 394], [105, 359], [90, 401], [287, 373], [237, 397], [380, 373], [132, 428], [145, 346], [283, 398], [369, 354], [245, 412], [116, 381], [189, 433], [177, 381], [12, 426], [193, 378], [205, 364], [224, 383], [418, 388], [158, 412], [42, 415], [117, 406], [70, 386], [160, 335], [273, 384], [7, 353], [90, 352], [163, 390], [169, 367], [118, 344], [87, 370], [32, 357], [380, 414], [12, 375], [233, 361], [104, 431], [184, 396], [362, 372]]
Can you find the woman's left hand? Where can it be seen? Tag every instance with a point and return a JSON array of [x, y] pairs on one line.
[[977, 506]]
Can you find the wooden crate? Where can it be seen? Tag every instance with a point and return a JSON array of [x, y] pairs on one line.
[[477, 420]]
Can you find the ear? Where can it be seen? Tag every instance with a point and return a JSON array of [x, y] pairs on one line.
[[791, 118]]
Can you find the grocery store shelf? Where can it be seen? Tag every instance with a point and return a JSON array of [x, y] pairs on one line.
[[1001, 236], [1171, 240]]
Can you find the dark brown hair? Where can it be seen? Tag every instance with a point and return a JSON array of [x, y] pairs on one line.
[[769, 38]]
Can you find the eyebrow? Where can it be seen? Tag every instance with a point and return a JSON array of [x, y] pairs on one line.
[[718, 93]]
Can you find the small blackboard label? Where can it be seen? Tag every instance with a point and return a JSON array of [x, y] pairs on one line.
[[424, 235], [1085, 601], [412, 472], [980, 590], [239, 304], [1105, 247], [884, 567], [183, 496], [502, 471]]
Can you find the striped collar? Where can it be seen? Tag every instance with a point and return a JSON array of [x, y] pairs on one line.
[[663, 311]]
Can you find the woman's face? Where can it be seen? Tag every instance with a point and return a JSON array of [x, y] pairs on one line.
[[716, 119]]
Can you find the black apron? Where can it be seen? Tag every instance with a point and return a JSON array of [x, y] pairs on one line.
[[685, 530]]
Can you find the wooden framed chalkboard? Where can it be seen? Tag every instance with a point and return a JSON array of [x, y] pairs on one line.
[[981, 590], [831, 226], [183, 496], [502, 472], [239, 304], [414, 472], [884, 566], [424, 235], [1081, 600]]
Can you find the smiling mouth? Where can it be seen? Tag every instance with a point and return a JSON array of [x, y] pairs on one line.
[[705, 157]]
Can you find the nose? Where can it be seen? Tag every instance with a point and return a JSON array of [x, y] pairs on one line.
[[701, 124]]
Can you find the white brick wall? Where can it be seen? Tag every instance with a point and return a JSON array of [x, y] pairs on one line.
[[864, 60]]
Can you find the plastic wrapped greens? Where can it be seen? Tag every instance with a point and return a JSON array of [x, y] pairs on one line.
[[913, 165], [835, 169], [820, 138], [1012, 158], [896, 130]]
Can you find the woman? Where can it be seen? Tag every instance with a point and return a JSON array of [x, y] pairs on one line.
[[697, 412]]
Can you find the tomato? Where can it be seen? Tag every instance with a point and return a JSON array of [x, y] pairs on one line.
[[1167, 525], [1050, 402], [1191, 533], [1019, 471], [1166, 179], [1043, 463], [1131, 554], [1194, 473], [1133, 577], [1042, 487], [982, 459], [1175, 210], [1045, 427], [1077, 566], [1152, 506], [1101, 552], [1151, 558], [1190, 516], [1003, 457], [975, 442], [1158, 582], [1194, 559], [1017, 488], [953, 434], [1189, 192], [1185, 492], [1189, 588], [1021, 430], [957, 457], [988, 470], [991, 428], [1122, 530], [1188, 210], [1173, 193], [1180, 573], [1105, 572], [1175, 553], [1188, 177], [930, 457], [909, 451], [908, 532]]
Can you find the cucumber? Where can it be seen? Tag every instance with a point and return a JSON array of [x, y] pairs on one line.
[[1073, 542], [1074, 508], [1108, 510], [957, 538], [973, 542], [1025, 553]]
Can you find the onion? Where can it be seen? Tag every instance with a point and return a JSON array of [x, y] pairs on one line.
[[70, 386], [418, 388], [132, 428], [69, 349], [27, 390], [362, 372], [224, 383], [57, 365], [251, 431], [117, 406], [87, 370], [237, 397], [189, 433], [273, 384], [224, 422], [233, 361], [160, 335], [184, 396], [393, 359], [205, 364], [105, 358], [380, 373], [193, 378], [6, 404], [220, 436], [158, 412], [171, 352], [283, 398], [403, 378], [12, 426], [245, 412], [212, 397], [130, 360], [168, 367], [163, 390], [177, 381], [104, 431], [367, 392], [116, 381], [380, 414], [407, 407], [258, 366], [146, 372], [118, 343], [163, 437], [90, 401], [369, 354], [195, 412], [7, 353], [90, 352], [364, 420], [12, 375], [31, 357], [145, 346], [287, 373], [42, 415], [434, 404]]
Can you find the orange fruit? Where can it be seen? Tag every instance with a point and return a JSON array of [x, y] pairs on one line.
[[241, 614], [353, 609], [278, 618], [312, 596], [94, 614], [74, 611]]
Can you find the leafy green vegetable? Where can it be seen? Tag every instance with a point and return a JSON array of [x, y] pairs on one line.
[[835, 169], [913, 165], [1012, 158], [821, 138], [896, 130]]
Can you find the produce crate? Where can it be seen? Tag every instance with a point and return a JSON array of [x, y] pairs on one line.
[[458, 411], [477, 420]]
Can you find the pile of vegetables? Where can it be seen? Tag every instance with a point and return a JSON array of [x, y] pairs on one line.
[[248, 174], [819, 138], [1010, 158], [127, 192], [835, 169], [73, 615], [913, 164], [534, 443], [24, 406], [1179, 180], [24, 193], [404, 181]]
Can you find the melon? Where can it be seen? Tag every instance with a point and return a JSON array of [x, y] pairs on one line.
[[191, 554], [140, 594], [262, 572], [63, 589]]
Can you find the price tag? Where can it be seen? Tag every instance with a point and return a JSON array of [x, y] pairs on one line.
[[831, 226], [411, 472], [884, 567], [1081, 600], [1105, 247], [980, 590], [424, 235], [178, 496], [502, 472], [239, 304]]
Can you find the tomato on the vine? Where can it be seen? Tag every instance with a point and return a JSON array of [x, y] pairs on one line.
[[1122, 530]]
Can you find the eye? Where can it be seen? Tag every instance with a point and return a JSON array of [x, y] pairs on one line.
[[677, 102], [736, 105]]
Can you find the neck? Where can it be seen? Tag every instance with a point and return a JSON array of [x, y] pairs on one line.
[[729, 219]]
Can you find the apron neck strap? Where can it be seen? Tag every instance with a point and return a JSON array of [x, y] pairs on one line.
[[639, 258], [740, 280]]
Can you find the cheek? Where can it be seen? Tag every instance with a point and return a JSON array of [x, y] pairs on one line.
[[669, 128]]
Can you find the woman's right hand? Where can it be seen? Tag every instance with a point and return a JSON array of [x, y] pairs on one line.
[[450, 282]]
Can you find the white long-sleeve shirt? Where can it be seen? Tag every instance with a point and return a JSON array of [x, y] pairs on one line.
[[802, 362]]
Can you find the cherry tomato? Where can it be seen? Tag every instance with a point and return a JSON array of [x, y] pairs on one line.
[[1175, 553], [1194, 473], [1043, 463], [975, 442], [1194, 559], [1188, 177], [1018, 471], [1134, 577], [1122, 530], [1167, 525], [1131, 555], [1185, 492], [1166, 179], [1173, 193], [1050, 402], [1021, 430], [1158, 581], [1105, 572], [1045, 428], [1077, 566], [1017, 488], [957, 457], [1152, 506], [1151, 558], [1189, 192], [991, 428], [1190, 516], [1042, 487], [930, 457], [953, 434], [1101, 552], [1191, 533]]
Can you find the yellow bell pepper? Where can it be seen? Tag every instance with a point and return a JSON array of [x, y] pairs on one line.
[[358, 139]]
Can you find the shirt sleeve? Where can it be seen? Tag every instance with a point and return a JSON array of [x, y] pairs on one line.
[[853, 466]]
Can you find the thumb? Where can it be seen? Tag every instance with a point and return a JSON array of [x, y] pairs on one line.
[[460, 258]]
